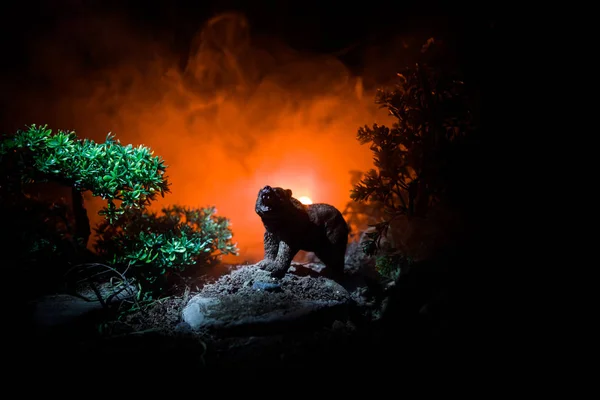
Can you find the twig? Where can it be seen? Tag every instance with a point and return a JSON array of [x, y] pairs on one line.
[[186, 296], [95, 289]]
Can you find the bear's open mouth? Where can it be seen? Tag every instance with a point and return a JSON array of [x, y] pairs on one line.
[[264, 208]]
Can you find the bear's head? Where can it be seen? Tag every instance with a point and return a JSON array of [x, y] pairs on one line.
[[272, 201]]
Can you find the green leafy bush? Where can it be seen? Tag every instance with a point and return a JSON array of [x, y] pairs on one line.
[[151, 246], [39, 160], [125, 176], [144, 248]]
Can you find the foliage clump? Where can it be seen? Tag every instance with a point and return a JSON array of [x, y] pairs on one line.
[[125, 176], [391, 265], [140, 246], [153, 246]]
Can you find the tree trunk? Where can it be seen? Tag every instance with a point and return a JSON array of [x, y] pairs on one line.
[[82, 222]]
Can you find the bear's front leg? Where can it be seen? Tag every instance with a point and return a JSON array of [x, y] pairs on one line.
[[271, 244], [283, 260]]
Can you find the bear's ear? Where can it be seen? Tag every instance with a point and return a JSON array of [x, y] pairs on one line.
[[288, 192]]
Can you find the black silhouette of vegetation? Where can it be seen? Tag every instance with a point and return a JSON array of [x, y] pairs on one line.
[[410, 188]]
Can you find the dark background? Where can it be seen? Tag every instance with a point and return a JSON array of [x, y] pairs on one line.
[[474, 36], [361, 34], [344, 29]]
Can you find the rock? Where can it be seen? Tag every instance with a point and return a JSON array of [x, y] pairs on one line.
[[64, 309], [109, 293], [266, 286], [93, 280], [183, 327], [357, 262], [234, 307], [195, 312], [61, 309], [307, 269]]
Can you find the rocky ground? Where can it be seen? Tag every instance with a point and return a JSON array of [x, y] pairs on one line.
[[243, 323]]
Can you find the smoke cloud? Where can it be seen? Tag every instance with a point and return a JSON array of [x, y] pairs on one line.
[[238, 113]]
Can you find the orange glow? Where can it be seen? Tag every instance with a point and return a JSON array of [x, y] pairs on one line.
[[305, 200], [243, 113]]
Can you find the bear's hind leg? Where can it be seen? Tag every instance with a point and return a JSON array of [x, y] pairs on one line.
[[334, 260]]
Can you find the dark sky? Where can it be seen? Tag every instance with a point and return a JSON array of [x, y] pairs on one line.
[[361, 35], [349, 31], [322, 26]]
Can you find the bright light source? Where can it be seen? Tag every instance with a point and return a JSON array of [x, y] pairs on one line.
[[305, 200]]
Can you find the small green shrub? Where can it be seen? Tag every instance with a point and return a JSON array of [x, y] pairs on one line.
[[392, 265], [152, 246]]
